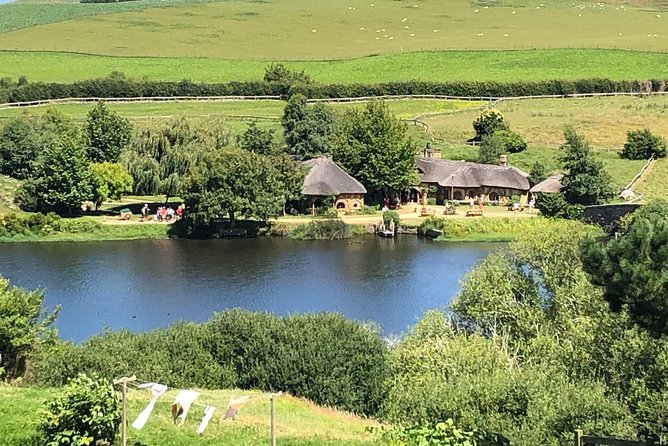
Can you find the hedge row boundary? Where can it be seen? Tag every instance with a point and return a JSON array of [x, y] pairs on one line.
[[121, 87]]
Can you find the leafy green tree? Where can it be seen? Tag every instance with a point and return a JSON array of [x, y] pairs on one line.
[[491, 147], [110, 181], [586, 182], [537, 173], [87, 412], [106, 132], [373, 145], [632, 268], [488, 121], [642, 144], [291, 175], [24, 324], [62, 180], [21, 141], [307, 130], [278, 72], [232, 182], [257, 140]]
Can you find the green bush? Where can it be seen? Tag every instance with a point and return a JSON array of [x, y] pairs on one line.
[[642, 145], [512, 141], [80, 225], [428, 434], [324, 357], [369, 210], [431, 201], [321, 230], [391, 216], [87, 412]]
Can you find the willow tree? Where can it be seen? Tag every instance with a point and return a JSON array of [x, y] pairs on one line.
[[161, 154]]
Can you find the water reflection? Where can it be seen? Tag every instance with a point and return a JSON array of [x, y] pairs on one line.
[[141, 285]]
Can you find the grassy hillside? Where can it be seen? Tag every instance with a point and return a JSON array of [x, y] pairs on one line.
[[336, 41], [339, 29], [299, 423], [26, 13]]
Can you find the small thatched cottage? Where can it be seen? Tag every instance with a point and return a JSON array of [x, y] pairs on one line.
[[325, 178], [459, 180], [551, 185]]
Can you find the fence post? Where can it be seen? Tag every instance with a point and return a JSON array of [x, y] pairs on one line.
[[124, 428], [578, 437]]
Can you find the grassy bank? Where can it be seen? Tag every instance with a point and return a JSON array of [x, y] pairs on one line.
[[299, 422], [96, 232], [500, 229]]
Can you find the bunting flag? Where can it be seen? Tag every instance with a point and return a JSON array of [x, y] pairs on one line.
[[184, 399], [156, 391], [234, 406], [208, 413]]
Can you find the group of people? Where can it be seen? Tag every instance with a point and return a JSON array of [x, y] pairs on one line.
[[477, 199], [162, 213]]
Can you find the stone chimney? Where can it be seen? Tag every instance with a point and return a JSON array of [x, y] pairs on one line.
[[503, 160]]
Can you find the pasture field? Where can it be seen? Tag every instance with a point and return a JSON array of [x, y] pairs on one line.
[[603, 121], [436, 66], [249, 109], [342, 29], [298, 422]]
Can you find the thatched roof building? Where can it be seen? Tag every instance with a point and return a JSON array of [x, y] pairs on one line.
[[460, 179], [326, 178], [551, 185]]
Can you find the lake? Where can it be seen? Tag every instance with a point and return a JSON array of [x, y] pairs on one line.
[[140, 285]]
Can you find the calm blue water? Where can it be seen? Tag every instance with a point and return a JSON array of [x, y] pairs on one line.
[[140, 285]]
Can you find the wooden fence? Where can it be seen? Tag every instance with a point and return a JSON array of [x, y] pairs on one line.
[[330, 100], [583, 440]]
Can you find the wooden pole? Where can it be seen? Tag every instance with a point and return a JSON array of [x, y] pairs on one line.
[[124, 428], [578, 437], [272, 431]]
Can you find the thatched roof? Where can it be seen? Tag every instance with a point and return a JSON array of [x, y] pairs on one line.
[[551, 185], [462, 174], [325, 177]]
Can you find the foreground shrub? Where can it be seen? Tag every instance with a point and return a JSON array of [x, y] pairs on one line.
[[324, 357], [87, 413], [440, 371], [429, 434], [24, 326], [321, 230]]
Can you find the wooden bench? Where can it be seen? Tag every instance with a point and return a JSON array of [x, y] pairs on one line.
[[474, 213]]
